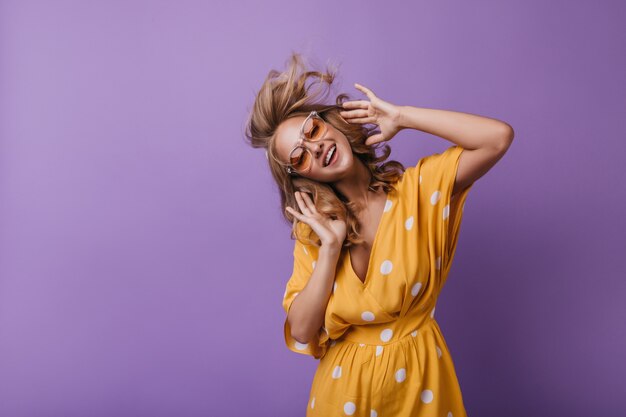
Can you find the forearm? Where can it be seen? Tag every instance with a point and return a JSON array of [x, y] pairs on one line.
[[308, 309], [466, 130]]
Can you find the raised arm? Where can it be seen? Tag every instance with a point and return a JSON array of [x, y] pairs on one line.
[[306, 313], [484, 140]]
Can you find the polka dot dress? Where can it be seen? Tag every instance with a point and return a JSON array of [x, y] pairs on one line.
[[380, 350]]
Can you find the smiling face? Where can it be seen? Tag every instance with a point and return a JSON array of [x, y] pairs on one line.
[[287, 138]]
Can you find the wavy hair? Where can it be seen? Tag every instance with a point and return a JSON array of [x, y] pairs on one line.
[[288, 94]]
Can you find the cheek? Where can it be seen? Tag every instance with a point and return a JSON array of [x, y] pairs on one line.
[[346, 151]]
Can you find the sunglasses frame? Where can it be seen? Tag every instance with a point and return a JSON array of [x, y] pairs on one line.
[[315, 114]]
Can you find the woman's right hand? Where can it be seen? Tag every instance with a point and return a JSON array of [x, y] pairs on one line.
[[331, 232]]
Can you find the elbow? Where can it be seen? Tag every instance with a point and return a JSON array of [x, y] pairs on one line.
[[505, 138], [508, 133], [297, 334], [302, 334], [300, 338], [297, 329]]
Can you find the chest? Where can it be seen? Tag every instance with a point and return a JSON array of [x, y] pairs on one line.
[[360, 254]]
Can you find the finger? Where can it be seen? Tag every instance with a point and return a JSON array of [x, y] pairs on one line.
[[294, 213], [299, 216], [363, 120], [354, 113], [356, 104], [364, 89], [374, 139], [309, 202], [303, 207], [315, 225]]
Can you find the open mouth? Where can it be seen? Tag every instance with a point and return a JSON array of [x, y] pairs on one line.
[[330, 156]]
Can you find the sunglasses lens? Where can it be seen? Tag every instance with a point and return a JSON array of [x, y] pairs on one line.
[[300, 159], [314, 129]]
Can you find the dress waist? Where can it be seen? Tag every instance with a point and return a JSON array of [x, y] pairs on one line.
[[388, 333]]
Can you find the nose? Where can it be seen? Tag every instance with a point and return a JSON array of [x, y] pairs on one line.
[[319, 150], [316, 148]]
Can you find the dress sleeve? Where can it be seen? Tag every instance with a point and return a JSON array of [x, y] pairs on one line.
[[304, 257], [436, 211]]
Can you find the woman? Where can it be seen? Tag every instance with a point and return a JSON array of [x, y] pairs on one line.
[[373, 241]]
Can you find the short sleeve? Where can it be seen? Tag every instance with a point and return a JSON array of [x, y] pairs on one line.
[[436, 175], [304, 257]]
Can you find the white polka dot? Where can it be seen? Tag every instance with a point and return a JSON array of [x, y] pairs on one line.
[[400, 375], [313, 264], [367, 316], [349, 408], [313, 403], [379, 350], [361, 344], [337, 372], [373, 413], [416, 289], [385, 267], [446, 211], [438, 262], [386, 334], [438, 351], [408, 224], [388, 205], [432, 313], [420, 179], [427, 396], [414, 333], [450, 414], [301, 346], [434, 197]]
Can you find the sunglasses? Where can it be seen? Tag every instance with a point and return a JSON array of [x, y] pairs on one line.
[[313, 130]]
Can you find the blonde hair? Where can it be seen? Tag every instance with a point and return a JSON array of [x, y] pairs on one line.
[[286, 95]]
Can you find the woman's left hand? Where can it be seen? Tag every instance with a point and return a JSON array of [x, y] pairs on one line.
[[376, 111]]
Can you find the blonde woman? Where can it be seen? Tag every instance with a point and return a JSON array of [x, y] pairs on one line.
[[373, 241]]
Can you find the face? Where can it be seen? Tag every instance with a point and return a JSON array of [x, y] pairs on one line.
[[287, 138]]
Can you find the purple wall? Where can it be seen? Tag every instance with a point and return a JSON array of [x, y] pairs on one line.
[[142, 253]]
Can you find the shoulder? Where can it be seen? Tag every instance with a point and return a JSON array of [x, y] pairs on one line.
[[428, 169], [408, 179], [305, 232], [440, 159]]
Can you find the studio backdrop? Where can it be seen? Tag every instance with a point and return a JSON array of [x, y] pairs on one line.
[[143, 253]]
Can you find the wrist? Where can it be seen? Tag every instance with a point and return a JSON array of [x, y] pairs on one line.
[[410, 117], [402, 117], [330, 249]]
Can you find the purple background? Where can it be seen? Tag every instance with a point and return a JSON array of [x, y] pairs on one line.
[[143, 257]]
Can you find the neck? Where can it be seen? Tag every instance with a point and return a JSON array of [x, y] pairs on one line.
[[355, 186]]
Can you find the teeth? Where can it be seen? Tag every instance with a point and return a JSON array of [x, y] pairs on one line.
[[330, 155]]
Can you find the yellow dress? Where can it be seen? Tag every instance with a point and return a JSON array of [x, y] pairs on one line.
[[381, 351]]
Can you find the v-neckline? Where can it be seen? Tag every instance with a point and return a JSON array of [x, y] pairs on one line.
[[369, 261]]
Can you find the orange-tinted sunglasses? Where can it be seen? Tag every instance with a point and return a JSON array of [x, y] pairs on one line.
[[313, 130]]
